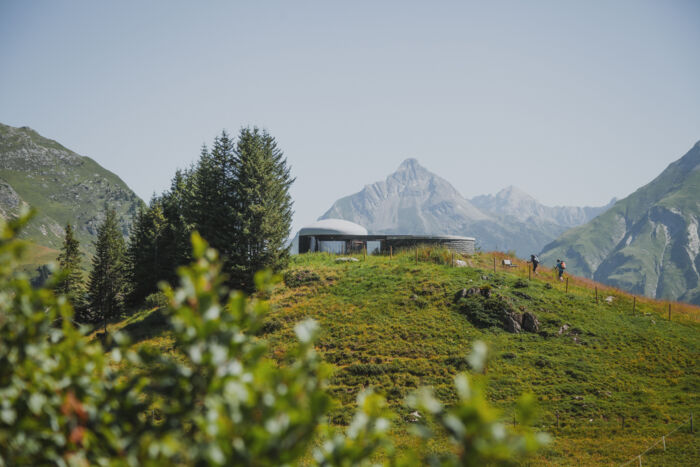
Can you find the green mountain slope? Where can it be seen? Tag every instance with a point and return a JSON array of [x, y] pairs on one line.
[[61, 185], [647, 243], [394, 324]]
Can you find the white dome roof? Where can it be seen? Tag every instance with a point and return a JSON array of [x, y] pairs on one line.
[[333, 226]]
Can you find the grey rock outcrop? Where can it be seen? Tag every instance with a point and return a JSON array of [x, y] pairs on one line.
[[530, 322]]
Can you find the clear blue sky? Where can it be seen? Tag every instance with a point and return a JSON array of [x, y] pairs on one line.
[[574, 102]]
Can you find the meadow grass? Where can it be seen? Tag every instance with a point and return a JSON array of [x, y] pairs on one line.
[[393, 324]]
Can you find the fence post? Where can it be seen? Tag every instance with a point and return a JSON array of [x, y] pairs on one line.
[[453, 260], [529, 276], [364, 252], [663, 438], [494, 264], [640, 460], [634, 304], [596, 294], [669, 312], [567, 285]]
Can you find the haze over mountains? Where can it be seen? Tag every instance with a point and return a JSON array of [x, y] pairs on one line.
[[647, 243], [414, 200], [61, 185]]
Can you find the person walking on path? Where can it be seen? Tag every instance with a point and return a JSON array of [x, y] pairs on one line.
[[560, 267], [535, 262]]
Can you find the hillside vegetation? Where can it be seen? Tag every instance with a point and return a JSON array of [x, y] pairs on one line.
[[394, 324], [62, 186], [647, 243]]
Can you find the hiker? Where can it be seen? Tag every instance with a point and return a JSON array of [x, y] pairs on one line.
[[535, 262], [560, 267]]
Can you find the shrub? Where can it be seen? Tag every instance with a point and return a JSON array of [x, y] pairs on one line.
[[487, 312], [300, 277]]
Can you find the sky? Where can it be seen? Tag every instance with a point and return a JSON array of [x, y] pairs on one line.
[[573, 102]]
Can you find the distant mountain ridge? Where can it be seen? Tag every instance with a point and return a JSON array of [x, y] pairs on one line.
[[413, 200], [647, 243], [61, 185], [515, 203]]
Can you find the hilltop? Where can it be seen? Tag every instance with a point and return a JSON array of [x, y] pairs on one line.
[[646, 243], [399, 323], [62, 186]]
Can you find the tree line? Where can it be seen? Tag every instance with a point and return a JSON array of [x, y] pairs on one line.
[[236, 196]]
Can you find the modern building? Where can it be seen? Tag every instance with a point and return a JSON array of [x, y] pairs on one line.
[[341, 236]]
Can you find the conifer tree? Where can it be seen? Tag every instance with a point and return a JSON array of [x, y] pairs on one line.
[[263, 207], [146, 256], [177, 209], [214, 197], [108, 281], [71, 283]]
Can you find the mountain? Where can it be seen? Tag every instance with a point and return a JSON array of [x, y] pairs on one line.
[[511, 202], [414, 200], [61, 186], [647, 243], [411, 200]]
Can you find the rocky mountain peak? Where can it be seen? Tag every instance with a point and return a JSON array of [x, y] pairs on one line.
[[410, 169], [514, 193]]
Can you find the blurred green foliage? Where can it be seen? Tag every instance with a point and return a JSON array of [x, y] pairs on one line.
[[68, 400]]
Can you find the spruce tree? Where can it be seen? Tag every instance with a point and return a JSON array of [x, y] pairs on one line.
[[177, 209], [214, 196], [108, 282], [263, 207], [71, 283], [146, 256]]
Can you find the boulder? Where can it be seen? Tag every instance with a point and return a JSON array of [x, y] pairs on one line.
[[530, 322], [464, 293], [511, 324], [460, 294], [460, 264]]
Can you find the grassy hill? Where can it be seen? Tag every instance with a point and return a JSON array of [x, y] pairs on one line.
[[395, 324], [61, 186], [646, 243]]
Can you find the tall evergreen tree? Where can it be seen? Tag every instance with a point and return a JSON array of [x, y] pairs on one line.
[[177, 208], [146, 257], [214, 196], [159, 241], [108, 282], [263, 206], [71, 283]]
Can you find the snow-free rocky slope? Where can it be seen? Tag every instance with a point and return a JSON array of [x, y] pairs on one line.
[[647, 243], [414, 200], [62, 186]]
